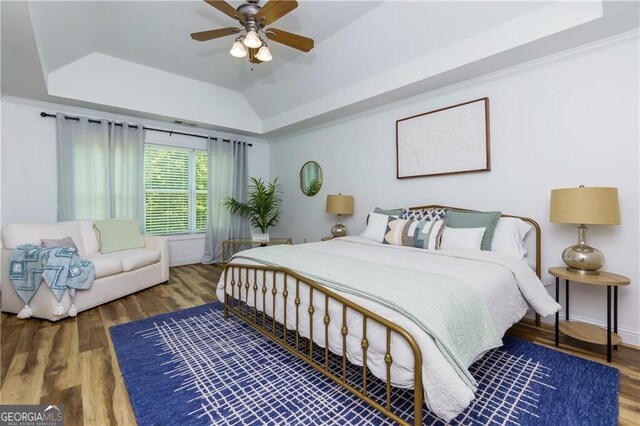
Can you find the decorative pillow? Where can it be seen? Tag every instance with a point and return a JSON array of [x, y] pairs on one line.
[[376, 227], [391, 212], [118, 234], [428, 233], [65, 242], [488, 220], [411, 233], [509, 235], [399, 232], [462, 238], [423, 214]]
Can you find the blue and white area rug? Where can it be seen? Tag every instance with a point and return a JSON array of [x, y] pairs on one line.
[[193, 367]]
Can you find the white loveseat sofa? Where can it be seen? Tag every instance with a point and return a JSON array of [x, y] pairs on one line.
[[117, 274]]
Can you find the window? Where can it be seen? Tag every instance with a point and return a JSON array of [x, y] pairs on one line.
[[175, 190]]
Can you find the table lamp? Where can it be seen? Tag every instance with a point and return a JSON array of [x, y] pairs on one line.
[[339, 204], [584, 206]]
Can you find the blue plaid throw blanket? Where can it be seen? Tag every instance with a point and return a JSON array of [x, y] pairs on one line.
[[60, 267]]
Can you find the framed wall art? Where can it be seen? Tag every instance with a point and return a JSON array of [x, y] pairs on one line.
[[449, 140]]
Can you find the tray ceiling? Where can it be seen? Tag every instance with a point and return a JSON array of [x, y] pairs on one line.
[[367, 53]]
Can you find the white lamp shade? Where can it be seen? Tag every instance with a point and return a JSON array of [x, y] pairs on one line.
[[252, 40], [264, 54], [238, 50]]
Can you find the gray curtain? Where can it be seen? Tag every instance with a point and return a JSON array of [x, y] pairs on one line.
[[100, 169], [227, 170]]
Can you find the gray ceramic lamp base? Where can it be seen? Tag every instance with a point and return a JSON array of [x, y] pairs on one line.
[[339, 230]]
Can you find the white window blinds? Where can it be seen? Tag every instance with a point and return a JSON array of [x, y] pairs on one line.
[[175, 184]]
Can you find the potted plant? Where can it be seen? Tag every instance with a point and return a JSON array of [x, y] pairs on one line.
[[263, 207]]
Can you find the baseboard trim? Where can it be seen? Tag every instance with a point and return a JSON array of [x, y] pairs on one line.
[[181, 261]]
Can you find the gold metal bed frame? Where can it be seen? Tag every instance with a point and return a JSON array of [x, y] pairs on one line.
[[237, 278]]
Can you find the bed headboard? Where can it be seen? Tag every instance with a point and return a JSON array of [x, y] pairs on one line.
[[536, 228]]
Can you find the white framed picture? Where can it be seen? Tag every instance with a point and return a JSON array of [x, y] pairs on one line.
[[449, 140]]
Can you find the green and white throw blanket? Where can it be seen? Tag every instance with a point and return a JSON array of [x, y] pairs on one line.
[[447, 309], [59, 267]]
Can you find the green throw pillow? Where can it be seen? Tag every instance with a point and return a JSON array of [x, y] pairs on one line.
[[118, 234], [392, 212], [488, 220]]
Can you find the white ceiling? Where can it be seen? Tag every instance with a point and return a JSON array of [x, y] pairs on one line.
[[157, 35], [366, 53]]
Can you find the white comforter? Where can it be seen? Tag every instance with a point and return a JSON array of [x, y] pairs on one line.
[[502, 282]]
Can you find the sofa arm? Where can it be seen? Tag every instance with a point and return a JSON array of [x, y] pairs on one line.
[[161, 244]]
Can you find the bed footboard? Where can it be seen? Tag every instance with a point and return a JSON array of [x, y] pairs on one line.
[[259, 295]]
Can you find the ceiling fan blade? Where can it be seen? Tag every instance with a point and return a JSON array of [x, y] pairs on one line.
[[225, 8], [252, 55], [211, 34], [289, 39], [274, 10]]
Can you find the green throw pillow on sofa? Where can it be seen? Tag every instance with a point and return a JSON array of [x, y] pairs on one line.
[[488, 220], [118, 234]]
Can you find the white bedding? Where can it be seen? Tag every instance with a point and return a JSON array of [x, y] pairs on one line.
[[491, 275]]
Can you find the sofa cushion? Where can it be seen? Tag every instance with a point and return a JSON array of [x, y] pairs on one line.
[[118, 234], [89, 237], [135, 258], [15, 234], [105, 266]]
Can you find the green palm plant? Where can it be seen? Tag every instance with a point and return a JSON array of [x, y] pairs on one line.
[[263, 207]]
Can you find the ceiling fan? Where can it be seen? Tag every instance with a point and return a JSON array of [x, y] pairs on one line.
[[254, 19]]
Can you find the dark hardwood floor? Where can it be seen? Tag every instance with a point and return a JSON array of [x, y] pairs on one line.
[[72, 361]]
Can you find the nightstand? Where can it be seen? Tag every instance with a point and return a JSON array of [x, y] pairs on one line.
[[588, 332]]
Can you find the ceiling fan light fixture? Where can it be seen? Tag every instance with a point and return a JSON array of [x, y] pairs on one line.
[[238, 50], [251, 21], [252, 39], [264, 54]]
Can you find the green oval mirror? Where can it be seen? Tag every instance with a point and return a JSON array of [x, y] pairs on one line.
[[310, 178]]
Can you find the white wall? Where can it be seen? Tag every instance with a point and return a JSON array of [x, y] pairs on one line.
[[29, 188], [561, 122]]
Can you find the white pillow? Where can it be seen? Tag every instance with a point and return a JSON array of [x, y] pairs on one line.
[[376, 227], [509, 235], [462, 238]]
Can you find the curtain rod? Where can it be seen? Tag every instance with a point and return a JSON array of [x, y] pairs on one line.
[[171, 132]]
